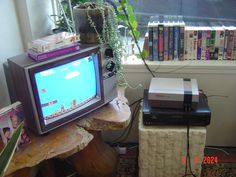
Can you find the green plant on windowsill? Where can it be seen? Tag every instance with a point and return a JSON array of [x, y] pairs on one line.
[[97, 22], [126, 15], [8, 151], [63, 20]]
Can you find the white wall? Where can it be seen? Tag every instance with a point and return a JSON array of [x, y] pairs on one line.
[[34, 19], [21, 21], [10, 42], [214, 77]]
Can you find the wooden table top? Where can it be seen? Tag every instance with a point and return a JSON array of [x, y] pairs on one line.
[[113, 116], [72, 137]]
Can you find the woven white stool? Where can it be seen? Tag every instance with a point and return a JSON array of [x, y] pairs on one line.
[[162, 150]]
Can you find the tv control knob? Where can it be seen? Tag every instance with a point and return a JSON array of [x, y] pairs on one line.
[[110, 65], [109, 53]]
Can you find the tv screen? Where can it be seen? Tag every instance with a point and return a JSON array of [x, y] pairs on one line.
[[66, 88]]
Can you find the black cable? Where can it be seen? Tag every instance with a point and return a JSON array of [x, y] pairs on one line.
[[220, 96], [188, 158], [135, 102], [128, 129], [135, 39], [131, 124]]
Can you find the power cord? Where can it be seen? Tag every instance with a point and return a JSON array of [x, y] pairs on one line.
[[121, 77], [218, 149], [127, 131], [188, 158], [173, 70], [139, 100], [136, 111]]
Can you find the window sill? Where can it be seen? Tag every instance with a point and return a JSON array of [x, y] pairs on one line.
[[132, 64]]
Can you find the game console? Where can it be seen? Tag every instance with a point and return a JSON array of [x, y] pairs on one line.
[[173, 93]]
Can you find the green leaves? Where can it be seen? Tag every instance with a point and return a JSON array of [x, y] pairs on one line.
[[121, 16], [123, 1], [137, 34], [142, 54], [127, 16], [120, 8], [8, 151]]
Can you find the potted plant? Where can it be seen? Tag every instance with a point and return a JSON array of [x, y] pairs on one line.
[[97, 22], [90, 20]]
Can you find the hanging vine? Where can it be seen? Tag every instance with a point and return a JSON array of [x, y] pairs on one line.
[[110, 34]]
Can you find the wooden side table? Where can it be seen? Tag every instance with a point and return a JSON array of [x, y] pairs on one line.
[[79, 141], [100, 158], [62, 142]]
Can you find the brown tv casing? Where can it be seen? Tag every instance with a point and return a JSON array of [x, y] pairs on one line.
[[22, 70]]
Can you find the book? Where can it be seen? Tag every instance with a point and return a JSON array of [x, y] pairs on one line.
[[194, 53], [161, 42], [10, 117], [225, 42], [166, 41], [171, 43], [155, 42], [150, 42], [54, 53], [181, 40], [204, 42], [213, 51], [190, 43], [176, 42], [219, 42], [208, 35], [53, 41], [234, 48], [199, 44], [230, 44]]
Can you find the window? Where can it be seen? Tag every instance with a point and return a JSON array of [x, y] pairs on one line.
[[192, 10]]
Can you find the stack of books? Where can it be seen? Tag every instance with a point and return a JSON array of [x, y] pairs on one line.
[[53, 46], [171, 38]]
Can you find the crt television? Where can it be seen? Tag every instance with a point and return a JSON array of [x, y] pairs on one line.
[[59, 90]]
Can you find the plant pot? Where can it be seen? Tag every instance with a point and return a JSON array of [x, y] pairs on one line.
[[88, 34]]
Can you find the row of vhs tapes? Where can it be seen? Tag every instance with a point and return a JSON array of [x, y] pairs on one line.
[[174, 40]]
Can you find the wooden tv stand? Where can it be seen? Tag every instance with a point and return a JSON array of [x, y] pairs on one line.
[[80, 142]]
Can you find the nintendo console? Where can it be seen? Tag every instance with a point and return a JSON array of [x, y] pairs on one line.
[[173, 93]]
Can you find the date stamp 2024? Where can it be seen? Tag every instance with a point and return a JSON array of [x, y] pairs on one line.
[[205, 160]]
